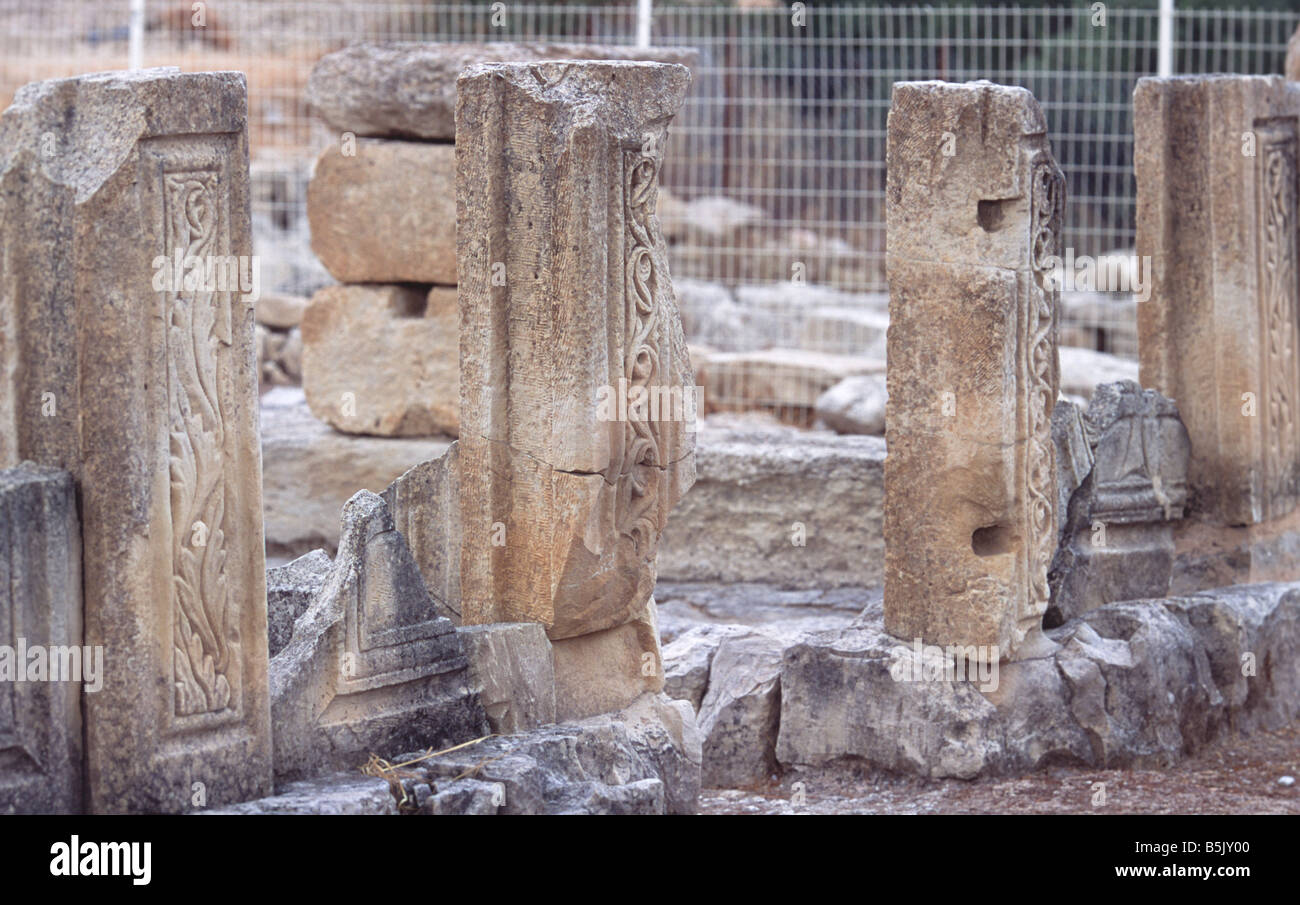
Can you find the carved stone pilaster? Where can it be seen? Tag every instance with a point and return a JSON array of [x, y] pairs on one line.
[[576, 389], [974, 209], [1215, 158], [127, 284]]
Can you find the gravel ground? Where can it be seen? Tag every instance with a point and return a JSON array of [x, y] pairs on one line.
[[1240, 775]]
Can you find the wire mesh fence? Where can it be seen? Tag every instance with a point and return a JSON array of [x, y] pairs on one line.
[[776, 170]]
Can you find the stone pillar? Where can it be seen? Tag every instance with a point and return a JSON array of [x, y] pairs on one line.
[[129, 360], [974, 204], [42, 663], [1216, 214], [567, 318]]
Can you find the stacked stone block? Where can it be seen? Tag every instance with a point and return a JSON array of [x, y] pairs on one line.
[[381, 351]]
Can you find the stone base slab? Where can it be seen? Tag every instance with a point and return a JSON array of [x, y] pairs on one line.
[[1134, 684]]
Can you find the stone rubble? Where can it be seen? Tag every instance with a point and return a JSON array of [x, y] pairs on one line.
[[290, 590], [370, 666], [644, 759], [855, 405], [1117, 541], [1137, 684]]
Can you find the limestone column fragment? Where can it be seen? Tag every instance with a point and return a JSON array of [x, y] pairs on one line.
[[127, 358], [974, 204], [1215, 158], [568, 318]]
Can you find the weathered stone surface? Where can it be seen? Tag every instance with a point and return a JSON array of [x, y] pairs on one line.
[[1074, 457], [788, 381], [855, 405], [408, 89], [280, 311], [383, 360], [289, 592], [1213, 556], [371, 667], [146, 391], [740, 711], [40, 610], [644, 759], [839, 700], [566, 298], [1132, 684], [797, 509], [708, 606], [974, 204], [1217, 217], [513, 665], [1248, 633], [279, 357], [859, 332], [425, 506], [687, 660], [603, 671], [804, 315], [711, 315], [385, 214], [1140, 453], [309, 470], [1117, 543], [466, 797], [336, 794]]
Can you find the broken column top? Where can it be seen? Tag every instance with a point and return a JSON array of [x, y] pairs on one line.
[[627, 99], [1242, 89], [96, 118], [955, 185], [408, 89], [76, 134]]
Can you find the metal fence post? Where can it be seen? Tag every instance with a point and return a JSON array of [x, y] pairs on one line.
[[644, 12], [1165, 50], [135, 39]]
